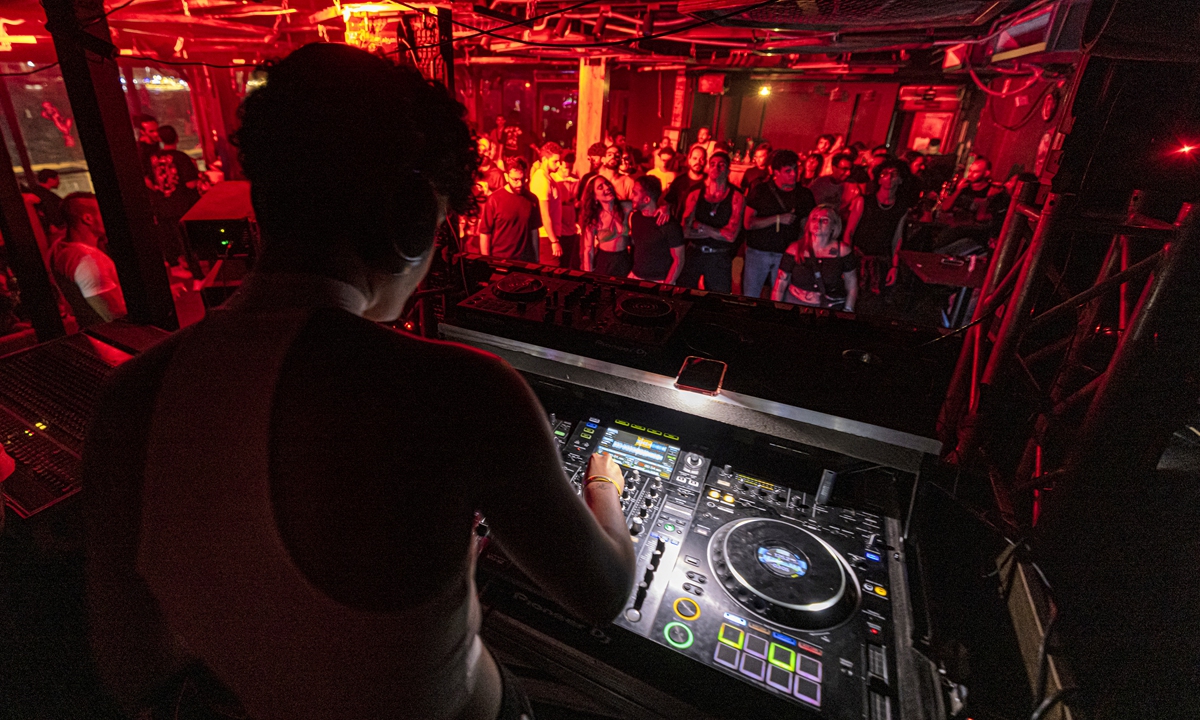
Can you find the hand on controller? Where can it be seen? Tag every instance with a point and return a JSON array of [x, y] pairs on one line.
[[602, 468]]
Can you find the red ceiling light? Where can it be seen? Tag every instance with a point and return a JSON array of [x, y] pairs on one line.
[[1187, 149]]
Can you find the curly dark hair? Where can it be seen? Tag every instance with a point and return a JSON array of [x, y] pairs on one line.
[[344, 149]]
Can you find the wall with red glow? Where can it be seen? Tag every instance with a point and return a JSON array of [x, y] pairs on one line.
[[641, 104], [799, 111], [1010, 128]]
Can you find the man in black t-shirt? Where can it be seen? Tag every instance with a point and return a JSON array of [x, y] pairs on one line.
[[879, 234], [684, 185], [657, 249], [760, 171], [775, 213], [510, 219], [173, 179]]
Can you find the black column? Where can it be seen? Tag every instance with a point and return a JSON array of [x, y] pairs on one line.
[[93, 81], [24, 255]]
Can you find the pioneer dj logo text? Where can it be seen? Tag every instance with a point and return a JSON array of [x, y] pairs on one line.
[[595, 632]]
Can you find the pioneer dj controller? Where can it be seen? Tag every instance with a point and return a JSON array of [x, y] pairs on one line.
[[600, 310], [761, 582]]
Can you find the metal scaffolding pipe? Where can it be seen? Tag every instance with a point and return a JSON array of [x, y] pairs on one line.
[[966, 370], [1116, 535], [1017, 314], [1145, 267]]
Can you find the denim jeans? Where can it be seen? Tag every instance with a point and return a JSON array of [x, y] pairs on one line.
[[760, 268]]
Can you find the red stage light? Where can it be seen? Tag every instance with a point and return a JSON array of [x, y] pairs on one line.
[[1186, 149]]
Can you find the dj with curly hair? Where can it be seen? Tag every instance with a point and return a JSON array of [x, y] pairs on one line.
[[281, 498]]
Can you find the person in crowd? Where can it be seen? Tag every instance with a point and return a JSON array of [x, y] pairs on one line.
[[818, 269], [824, 148], [972, 212], [86, 276], [491, 176], [666, 143], [657, 248], [916, 181], [775, 209], [823, 144], [880, 231], [567, 185], [509, 222], [681, 188], [545, 188], [147, 138], [595, 156], [663, 158], [760, 170], [610, 169], [811, 169], [260, 548], [836, 189], [604, 230], [49, 204], [705, 140], [858, 173], [712, 220], [631, 166], [174, 181], [510, 139], [614, 138], [496, 137]]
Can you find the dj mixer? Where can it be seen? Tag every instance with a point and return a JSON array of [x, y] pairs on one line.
[[774, 588]]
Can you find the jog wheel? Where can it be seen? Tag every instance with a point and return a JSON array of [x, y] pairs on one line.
[[644, 310], [783, 573], [520, 288]]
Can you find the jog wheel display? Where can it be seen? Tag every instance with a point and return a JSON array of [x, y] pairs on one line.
[[783, 573], [520, 288], [644, 310]]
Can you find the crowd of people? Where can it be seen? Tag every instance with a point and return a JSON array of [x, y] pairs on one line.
[[818, 229], [75, 246]]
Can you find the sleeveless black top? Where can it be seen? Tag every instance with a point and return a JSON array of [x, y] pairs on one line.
[[875, 230], [715, 215], [809, 272]]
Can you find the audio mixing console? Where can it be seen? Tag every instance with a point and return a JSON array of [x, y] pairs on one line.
[[763, 583]]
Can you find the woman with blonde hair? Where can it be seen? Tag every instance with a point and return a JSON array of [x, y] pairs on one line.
[[819, 269]]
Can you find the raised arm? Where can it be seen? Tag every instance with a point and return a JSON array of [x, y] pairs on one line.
[[850, 277], [689, 211], [730, 232], [856, 213], [783, 278]]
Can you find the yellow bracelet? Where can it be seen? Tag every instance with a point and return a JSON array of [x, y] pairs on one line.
[[602, 478]]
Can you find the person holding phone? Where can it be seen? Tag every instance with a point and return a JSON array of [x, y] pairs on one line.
[[280, 498]]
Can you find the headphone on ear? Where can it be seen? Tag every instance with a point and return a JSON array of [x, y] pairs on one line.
[[411, 223]]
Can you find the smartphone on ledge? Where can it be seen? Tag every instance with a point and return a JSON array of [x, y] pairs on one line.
[[701, 375]]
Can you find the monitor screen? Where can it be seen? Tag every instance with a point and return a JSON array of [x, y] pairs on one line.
[[636, 451]]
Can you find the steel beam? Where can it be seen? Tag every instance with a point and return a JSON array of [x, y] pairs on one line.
[[960, 395], [93, 82], [24, 255]]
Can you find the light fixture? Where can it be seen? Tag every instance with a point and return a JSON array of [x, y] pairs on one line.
[[1186, 149], [598, 28], [765, 90]]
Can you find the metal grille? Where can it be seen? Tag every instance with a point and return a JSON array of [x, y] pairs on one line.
[[839, 14]]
